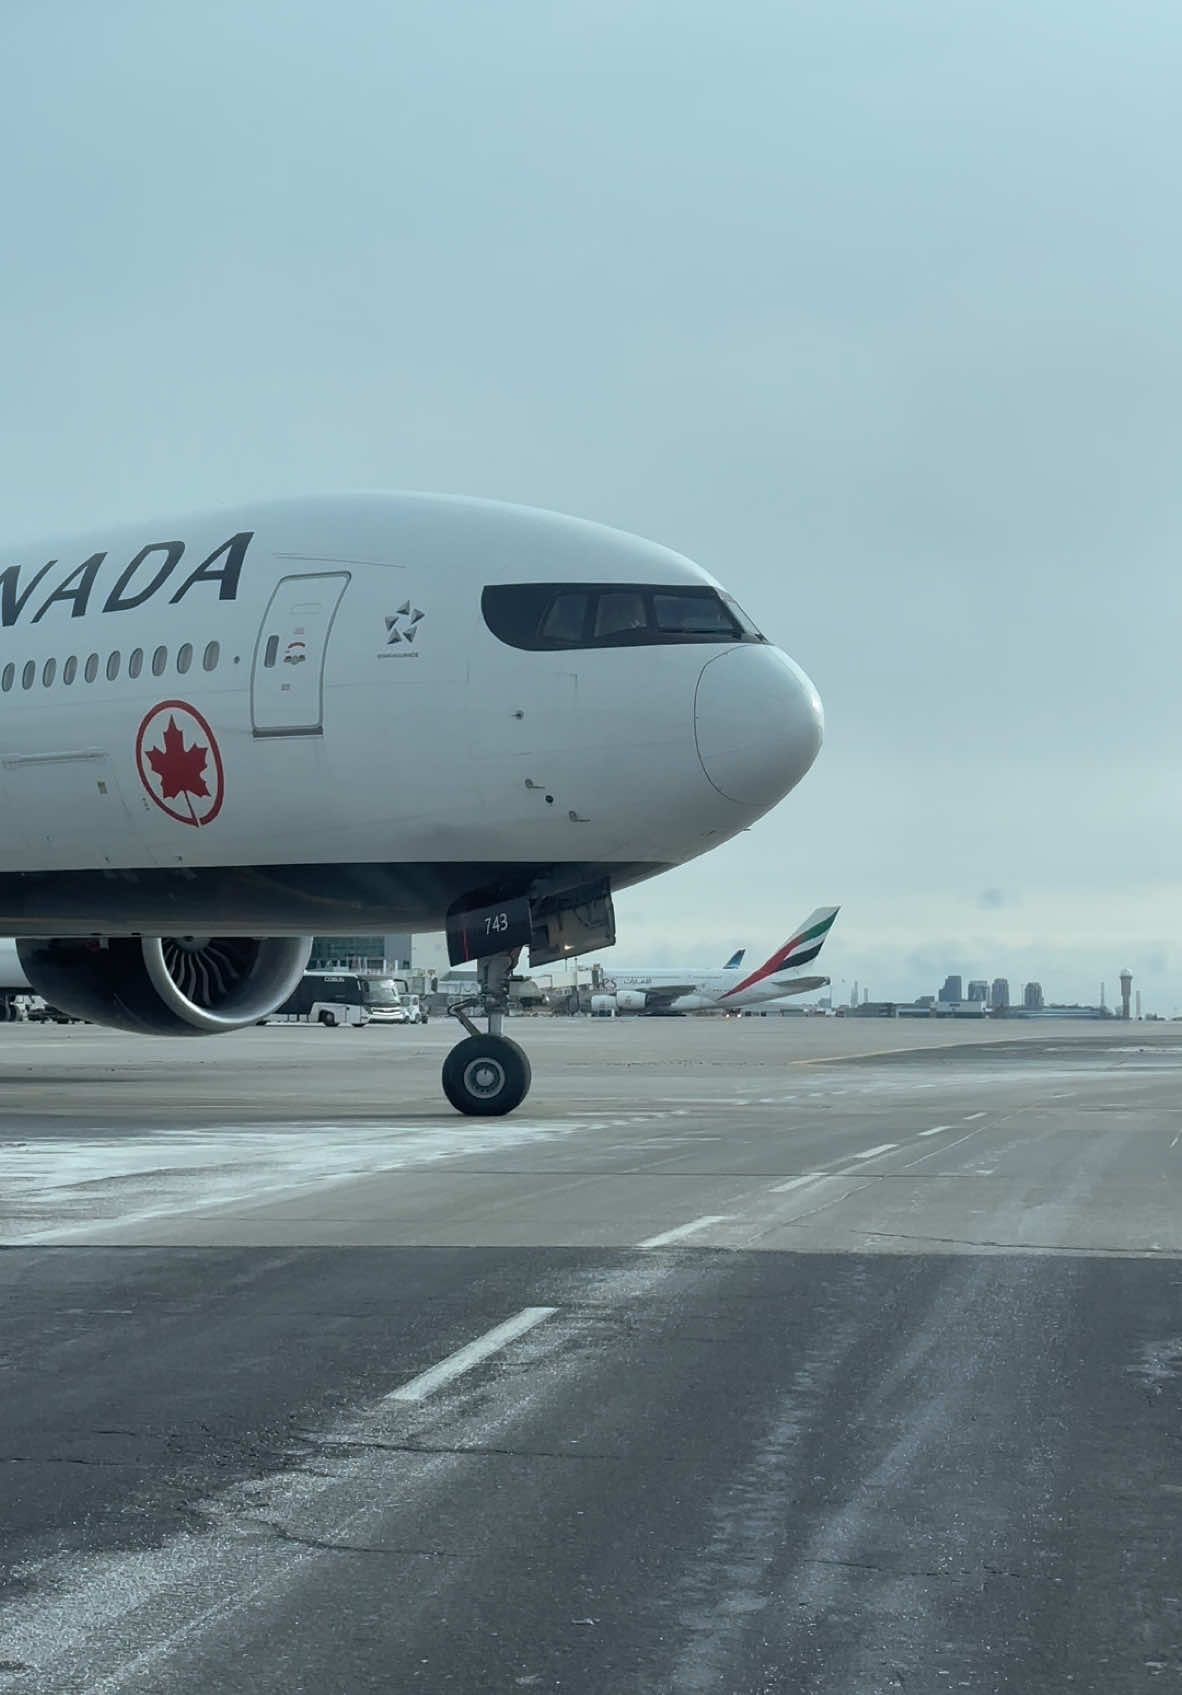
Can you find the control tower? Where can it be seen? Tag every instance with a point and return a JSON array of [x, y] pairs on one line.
[[1126, 992]]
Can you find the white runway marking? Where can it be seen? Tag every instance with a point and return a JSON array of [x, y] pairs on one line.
[[796, 1182], [471, 1354], [935, 1129], [873, 1153], [684, 1230], [944, 1148], [969, 1115], [1174, 1143]]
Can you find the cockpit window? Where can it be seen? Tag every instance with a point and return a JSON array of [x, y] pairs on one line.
[[691, 615], [545, 617], [751, 631], [620, 614], [565, 619]]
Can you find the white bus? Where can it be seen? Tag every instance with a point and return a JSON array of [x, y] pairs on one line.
[[325, 997]]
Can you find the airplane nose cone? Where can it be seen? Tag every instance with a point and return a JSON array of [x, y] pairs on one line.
[[758, 724]]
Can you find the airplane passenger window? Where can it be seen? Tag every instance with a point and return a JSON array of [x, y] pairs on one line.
[[271, 651], [620, 613], [6, 678], [694, 615], [90, 669], [159, 661], [184, 657], [48, 672], [70, 669], [566, 620], [135, 662], [28, 674], [112, 667], [210, 657]]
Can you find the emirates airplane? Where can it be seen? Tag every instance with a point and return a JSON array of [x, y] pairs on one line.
[[223, 733], [627, 989]]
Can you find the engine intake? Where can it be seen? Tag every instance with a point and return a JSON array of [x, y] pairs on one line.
[[167, 985]]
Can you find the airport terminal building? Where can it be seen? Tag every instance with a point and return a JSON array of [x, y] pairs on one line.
[[360, 953]]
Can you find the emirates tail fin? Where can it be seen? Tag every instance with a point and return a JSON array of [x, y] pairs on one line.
[[803, 946]]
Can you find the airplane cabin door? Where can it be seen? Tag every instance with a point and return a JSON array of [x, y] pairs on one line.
[[287, 681]]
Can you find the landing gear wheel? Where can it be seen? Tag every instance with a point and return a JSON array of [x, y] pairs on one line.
[[486, 1076]]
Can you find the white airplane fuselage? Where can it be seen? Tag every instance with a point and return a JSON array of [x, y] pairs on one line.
[[713, 991], [222, 734], [370, 750]]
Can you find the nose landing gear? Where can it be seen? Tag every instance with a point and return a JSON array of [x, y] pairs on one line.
[[487, 1075]]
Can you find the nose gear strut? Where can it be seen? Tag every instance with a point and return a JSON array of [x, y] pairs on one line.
[[487, 1075]]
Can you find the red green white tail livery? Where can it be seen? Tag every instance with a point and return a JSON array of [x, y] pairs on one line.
[[801, 948]]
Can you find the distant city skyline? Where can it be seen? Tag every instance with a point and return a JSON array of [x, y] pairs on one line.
[[994, 995]]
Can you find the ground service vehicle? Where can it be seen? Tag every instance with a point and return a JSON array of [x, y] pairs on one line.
[[386, 1002], [324, 997]]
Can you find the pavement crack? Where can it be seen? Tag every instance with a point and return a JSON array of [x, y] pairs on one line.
[[1065, 1248], [62, 1459], [328, 1448], [322, 1545], [883, 1571], [917, 1571]]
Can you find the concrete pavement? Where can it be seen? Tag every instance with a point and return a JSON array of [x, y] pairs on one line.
[[729, 1365]]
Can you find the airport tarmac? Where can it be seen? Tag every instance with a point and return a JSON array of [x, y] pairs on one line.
[[750, 1356]]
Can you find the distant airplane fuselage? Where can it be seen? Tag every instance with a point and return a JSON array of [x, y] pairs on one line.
[[662, 991]]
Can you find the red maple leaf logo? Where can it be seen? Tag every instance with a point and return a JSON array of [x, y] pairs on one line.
[[179, 768]]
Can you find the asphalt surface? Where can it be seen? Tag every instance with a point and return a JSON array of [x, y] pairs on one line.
[[734, 1363]]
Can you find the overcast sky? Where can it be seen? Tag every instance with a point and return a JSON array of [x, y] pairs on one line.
[[873, 308]]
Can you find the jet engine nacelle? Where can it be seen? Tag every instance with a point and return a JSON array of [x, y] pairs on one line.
[[603, 1006], [631, 1000], [167, 985]]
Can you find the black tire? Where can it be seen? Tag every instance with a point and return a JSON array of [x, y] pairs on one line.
[[328, 1019], [486, 1076]]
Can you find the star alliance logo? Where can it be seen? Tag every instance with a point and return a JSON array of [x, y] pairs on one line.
[[404, 625]]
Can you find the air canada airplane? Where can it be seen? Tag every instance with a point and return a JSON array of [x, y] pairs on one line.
[[625, 989], [223, 733]]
